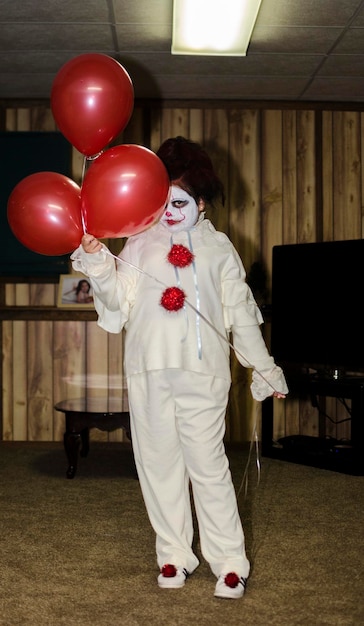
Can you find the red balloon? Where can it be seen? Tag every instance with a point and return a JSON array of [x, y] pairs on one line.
[[124, 191], [92, 99], [44, 213]]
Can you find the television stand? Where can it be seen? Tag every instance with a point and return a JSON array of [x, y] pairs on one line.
[[323, 452]]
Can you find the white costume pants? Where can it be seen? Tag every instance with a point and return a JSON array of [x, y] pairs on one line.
[[177, 426]]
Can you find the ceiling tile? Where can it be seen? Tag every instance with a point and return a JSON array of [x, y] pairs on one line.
[[300, 49]]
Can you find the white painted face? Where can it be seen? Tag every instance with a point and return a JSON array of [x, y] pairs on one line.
[[181, 212]]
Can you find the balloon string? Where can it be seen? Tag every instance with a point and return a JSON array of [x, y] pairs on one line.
[[254, 442], [84, 164], [254, 438], [223, 337], [197, 291], [82, 213], [83, 170], [83, 223]]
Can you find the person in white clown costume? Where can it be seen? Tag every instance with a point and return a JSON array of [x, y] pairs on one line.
[[179, 290]]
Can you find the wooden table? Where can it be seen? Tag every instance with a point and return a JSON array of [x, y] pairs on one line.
[[81, 414]]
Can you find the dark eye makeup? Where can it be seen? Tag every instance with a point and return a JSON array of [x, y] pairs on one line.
[[179, 203]]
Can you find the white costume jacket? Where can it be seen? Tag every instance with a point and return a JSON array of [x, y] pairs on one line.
[[219, 304]]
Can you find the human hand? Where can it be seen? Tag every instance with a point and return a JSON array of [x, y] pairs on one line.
[[90, 244], [276, 394]]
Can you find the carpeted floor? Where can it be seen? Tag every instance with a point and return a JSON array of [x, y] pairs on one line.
[[81, 552]]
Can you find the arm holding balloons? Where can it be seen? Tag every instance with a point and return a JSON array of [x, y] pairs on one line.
[[93, 259]]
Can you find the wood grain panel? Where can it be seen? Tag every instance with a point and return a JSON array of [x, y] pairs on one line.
[[272, 191], [309, 419], [337, 418], [267, 161], [8, 376], [306, 223], [96, 368], [289, 177], [40, 381], [272, 206], [79, 166], [155, 129], [22, 294], [20, 381], [69, 366], [116, 380], [290, 425], [327, 176], [288, 413], [306, 191], [10, 296], [245, 185], [175, 122], [216, 131], [347, 175], [244, 232], [11, 119], [197, 129], [42, 294], [134, 131], [42, 119]]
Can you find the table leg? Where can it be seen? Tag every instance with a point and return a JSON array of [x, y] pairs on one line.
[[72, 442], [85, 440]]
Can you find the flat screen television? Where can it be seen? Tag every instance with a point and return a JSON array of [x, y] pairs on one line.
[[317, 317]]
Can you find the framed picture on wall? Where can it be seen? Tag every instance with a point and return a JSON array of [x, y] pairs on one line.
[[75, 292]]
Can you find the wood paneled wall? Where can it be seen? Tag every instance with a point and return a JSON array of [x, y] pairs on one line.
[[292, 175]]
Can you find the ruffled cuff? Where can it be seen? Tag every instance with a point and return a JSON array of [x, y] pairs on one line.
[[91, 264], [266, 383]]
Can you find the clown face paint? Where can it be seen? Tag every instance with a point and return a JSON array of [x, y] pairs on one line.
[[181, 211]]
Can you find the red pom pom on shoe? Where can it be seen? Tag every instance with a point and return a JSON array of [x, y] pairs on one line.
[[168, 571], [180, 256], [173, 299], [232, 580]]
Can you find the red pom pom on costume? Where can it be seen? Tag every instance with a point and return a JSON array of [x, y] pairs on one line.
[[180, 256], [168, 571], [173, 299], [232, 580]]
